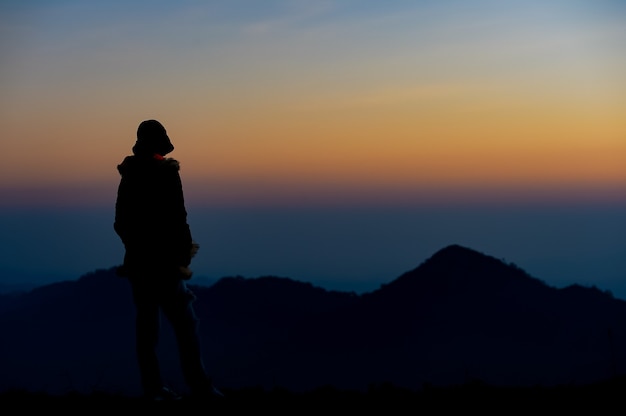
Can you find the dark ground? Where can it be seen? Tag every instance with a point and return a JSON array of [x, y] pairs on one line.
[[601, 398]]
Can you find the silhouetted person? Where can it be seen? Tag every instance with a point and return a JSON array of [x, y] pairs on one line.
[[151, 220]]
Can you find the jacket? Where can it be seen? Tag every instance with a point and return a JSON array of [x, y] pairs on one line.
[[150, 217]]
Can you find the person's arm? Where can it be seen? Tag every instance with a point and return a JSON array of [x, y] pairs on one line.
[[180, 230]]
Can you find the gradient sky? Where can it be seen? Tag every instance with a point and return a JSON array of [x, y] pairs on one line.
[[293, 105]]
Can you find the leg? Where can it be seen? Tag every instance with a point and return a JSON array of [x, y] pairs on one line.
[[179, 310], [147, 323]]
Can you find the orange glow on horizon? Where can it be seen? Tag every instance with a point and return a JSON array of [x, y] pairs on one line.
[[324, 108]]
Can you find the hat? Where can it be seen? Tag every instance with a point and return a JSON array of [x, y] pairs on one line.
[[152, 138]]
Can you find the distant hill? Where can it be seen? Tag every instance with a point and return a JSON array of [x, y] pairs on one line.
[[460, 316]]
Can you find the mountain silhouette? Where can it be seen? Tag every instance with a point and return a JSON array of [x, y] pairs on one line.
[[459, 317]]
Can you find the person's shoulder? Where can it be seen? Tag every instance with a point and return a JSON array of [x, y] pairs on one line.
[[147, 164], [127, 164], [171, 163]]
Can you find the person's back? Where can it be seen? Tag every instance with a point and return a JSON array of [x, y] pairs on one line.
[[150, 214]]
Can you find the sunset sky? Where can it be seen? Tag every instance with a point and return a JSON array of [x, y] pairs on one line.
[[315, 107]]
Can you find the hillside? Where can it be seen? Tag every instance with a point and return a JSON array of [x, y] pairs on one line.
[[459, 317]]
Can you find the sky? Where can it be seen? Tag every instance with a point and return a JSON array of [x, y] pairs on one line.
[[338, 142]]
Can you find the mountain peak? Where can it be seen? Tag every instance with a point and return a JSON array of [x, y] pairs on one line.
[[460, 258], [454, 251], [455, 268]]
